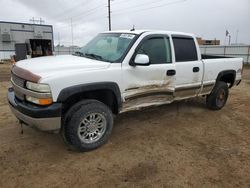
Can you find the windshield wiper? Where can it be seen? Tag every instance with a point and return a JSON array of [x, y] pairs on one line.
[[97, 57], [79, 54]]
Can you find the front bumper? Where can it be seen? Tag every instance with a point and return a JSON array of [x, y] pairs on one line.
[[42, 118]]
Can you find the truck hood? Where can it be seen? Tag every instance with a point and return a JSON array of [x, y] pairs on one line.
[[52, 65]]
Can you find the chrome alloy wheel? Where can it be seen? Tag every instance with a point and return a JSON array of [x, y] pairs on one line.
[[92, 127], [220, 99]]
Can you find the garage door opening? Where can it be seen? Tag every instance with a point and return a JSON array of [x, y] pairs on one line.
[[40, 47]]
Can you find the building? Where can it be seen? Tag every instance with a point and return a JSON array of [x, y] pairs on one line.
[[207, 42], [22, 39]]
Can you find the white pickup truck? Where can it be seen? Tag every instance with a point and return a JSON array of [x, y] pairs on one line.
[[115, 72]]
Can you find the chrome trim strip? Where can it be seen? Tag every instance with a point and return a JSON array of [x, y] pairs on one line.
[[30, 93], [182, 88], [208, 84], [140, 95]]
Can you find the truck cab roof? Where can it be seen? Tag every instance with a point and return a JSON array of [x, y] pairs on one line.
[[139, 32]]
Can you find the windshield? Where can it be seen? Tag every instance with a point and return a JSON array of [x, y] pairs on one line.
[[109, 47]]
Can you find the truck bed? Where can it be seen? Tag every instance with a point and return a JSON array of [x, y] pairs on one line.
[[205, 56]]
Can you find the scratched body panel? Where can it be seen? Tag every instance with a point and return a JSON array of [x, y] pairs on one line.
[[145, 101], [148, 85]]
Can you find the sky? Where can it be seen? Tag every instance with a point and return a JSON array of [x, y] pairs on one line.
[[208, 19]]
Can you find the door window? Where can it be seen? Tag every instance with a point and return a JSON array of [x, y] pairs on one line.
[[185, 49], [158, 50]]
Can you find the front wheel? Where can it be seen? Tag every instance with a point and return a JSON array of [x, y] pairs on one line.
[[218, 97], [88, 125]]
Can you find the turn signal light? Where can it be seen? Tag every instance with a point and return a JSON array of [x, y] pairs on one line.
[[45, 101], [42, 102]]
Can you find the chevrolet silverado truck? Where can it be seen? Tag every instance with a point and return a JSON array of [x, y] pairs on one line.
[[118, 71]]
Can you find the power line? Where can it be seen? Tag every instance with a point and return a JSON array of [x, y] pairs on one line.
[[89, 12], [72, 36], [123, 12], [122, 1], [149, 8], [102, 16], [140, 5], [92, 11], [86, 13], [72, 8]]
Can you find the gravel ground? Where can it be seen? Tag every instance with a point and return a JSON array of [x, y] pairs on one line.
[[178, 145]]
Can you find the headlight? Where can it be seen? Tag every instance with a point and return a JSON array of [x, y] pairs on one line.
[[43, 88], [39, 101]]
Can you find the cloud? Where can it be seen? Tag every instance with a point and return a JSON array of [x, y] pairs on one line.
[[207, 18]]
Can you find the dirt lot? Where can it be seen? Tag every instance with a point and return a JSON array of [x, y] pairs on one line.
[[178, 145]]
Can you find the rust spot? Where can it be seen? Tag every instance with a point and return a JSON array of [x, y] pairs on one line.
[[25, 74]]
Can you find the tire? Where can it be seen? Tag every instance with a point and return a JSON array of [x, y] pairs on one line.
[[87, 125], [218, 97]]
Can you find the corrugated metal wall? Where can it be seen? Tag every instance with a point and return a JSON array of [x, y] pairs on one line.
[[231, 51]]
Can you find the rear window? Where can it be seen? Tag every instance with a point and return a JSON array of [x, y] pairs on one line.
[[185, 49]]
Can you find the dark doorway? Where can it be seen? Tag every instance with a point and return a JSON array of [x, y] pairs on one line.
[[40, 47]]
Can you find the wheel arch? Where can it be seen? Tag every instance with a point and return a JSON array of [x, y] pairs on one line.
[[227, 76], [106, 92]]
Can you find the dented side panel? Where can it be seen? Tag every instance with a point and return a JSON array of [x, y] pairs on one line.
[[147, 85]]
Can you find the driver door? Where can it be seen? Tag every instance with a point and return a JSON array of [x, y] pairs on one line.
[[152, 84]]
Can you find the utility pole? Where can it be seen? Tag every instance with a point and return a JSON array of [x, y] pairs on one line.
[[59, 43], [72, 37], [229, 39], [109, 15], [236, 39], [32, 20]]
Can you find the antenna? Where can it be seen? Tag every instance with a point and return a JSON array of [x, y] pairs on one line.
[[133, 29]]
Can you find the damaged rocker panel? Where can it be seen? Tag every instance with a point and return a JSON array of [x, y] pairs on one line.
[[142, 97]]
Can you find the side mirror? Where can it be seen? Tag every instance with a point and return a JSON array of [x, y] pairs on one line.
[[141, 59]]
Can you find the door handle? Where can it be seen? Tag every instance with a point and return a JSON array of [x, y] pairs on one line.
[[196, 69], [171, 72]]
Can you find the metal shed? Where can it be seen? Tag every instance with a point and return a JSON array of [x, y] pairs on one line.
[[32, 39]]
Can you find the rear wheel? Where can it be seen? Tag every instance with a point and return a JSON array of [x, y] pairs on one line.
[[88, 125], [218, 97]]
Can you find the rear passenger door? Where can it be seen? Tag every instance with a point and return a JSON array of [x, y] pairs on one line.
[[189, 69]]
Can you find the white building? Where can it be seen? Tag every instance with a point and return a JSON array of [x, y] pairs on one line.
[[23, 39]]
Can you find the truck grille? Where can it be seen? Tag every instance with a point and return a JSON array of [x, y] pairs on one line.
[[19, 82]]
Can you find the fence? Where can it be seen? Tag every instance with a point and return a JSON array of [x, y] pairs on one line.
[[62, 50], [231, 51], [6, 55]]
